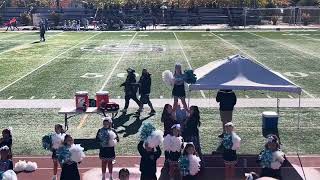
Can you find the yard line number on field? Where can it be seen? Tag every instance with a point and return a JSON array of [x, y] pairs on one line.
[[186, 58], [240, 50], [116, 65], [49, 61]]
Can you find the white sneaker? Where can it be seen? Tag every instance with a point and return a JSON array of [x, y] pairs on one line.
[[114, 161]]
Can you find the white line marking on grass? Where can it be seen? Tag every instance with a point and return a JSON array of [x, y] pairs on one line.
[[283, 44], [239, 49], [116, 65], [186, 58], [53, 97], [290, 96], [48, 62], [10, 97], [32, 97], [247, 96], [269, 97]]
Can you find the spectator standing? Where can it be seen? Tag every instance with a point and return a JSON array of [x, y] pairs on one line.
[[227, 100], [145, 89]]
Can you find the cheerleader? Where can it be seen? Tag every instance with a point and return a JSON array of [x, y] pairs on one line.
[[178, 91], [107, 137], [6, 140], [271, 158], [148, 162], [67, 159], [189, 162], [172, 145], [168, 119], [5, 163], [57, 141], [231, 143]]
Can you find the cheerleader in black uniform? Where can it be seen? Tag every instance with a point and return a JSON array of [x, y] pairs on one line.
[[231, 143], [57, 141], [172, 145], [107, 137], [178, 91], [271, 158], [69, 167], [6, 140]]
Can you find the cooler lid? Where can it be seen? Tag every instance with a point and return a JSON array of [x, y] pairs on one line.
[[102, 93], [81, 93], [269, 114]]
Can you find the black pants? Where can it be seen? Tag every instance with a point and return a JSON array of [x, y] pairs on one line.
[[127, 99], [148, 177], [268, 172], [42, 37], [70, 172]]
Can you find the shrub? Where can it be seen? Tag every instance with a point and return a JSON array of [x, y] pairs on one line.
[[25, 19], [305, 17]]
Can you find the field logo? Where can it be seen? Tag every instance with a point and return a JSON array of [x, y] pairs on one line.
[[135, 47], [296, 74], [92, 75]]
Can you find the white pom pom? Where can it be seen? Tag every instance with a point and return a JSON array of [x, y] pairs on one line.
[[236, 140], [9, 175], [57, 140], [194, 164], [20, 166], [278, 156], [168, 78], [31, 166], [167, 143], [176, 143], [155, 139], [77, 153], [112, 139]]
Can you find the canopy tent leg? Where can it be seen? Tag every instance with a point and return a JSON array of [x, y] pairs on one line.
[[278, 105]]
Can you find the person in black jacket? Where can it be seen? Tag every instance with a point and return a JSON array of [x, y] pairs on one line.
[[148, 162], [145, 89], [130, 89], [227, 99], [42, 31]]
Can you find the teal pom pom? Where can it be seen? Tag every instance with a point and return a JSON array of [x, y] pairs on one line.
[[146, 130], [189, 77], [63, 154], [47, 142]]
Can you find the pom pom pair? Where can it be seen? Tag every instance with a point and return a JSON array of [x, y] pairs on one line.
[[189, 77], [57, 140], [112, 139], [194, 164], [172, 143], [277, 159], [47, 142], [168, 78], [150, 135], [235, 141], [25, 166]]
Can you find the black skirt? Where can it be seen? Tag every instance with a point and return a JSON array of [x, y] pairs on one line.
[[70, 172], [269, 172], [54, 154], [179, 91], [189, 177], [107, 153], [229, 156]]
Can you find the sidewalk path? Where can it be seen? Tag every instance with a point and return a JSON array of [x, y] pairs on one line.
[[242, 102]]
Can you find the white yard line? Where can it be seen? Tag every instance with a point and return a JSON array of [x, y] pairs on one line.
[[8, 50], [32, 97], [116, 65], [239, 49], [283, 44], [290, 96], [48, 62], [10, 97], [186, 58], [268, 96]]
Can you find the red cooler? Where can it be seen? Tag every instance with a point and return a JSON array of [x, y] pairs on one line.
[[82, 100], [102, 98]]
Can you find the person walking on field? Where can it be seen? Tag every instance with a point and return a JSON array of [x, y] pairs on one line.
[[145, 89], [227, 99], [42, 32]]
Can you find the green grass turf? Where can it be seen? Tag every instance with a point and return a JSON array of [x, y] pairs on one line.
[[281, 51], [29, 125]]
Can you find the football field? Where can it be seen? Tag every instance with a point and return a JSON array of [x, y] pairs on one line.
[[72, 61], [91, 61]]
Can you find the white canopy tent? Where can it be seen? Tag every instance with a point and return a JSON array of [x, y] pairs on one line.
[[241, 73]]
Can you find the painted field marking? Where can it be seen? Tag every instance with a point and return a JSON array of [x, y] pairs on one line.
[[186, 58], [116, 65], [247, 96], [143, 35], [48, 62], [32, 97], [83, 121], [291, 97], [126, 35], [268, 96], [283, 44], [10, 97], [239, 49], [21, 45], [53, 97]]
